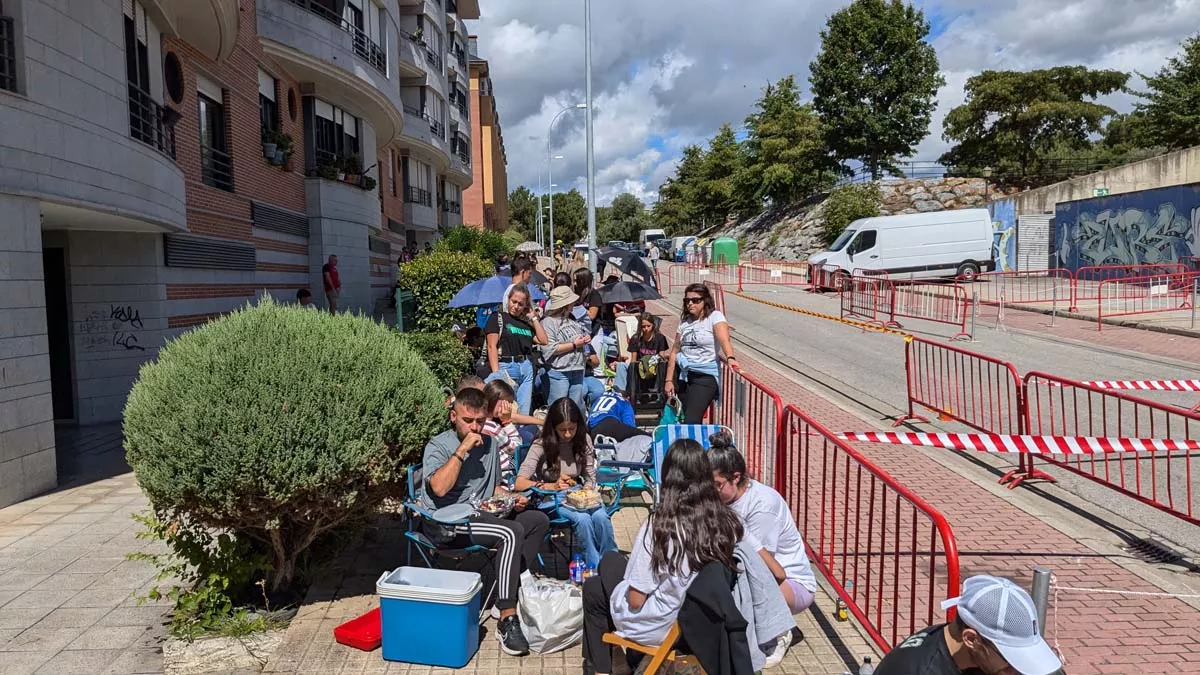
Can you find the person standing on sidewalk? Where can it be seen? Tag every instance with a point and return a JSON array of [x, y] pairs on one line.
[[333, 283], [692, 367], [994, 633], [511, 335]]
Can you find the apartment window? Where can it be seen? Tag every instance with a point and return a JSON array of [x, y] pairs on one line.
[[417, 180], [437, 116], [268, 106], [149, 121], [335, 133], [216, 166], [8, 51]]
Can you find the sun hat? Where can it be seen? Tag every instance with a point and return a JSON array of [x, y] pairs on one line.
[[561, 297], [1004, 614]]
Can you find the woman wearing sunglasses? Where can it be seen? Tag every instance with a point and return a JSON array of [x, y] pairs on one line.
[[692, 368], [511, 335]]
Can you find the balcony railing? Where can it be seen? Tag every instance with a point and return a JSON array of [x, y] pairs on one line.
[[412, 110], [437, 129], [415, 195], [451, 207], [433, 57], [461, 55], [216, 168], [366, 48], [8, 54], [148, 122]]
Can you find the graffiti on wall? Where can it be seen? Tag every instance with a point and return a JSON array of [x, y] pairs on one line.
[[117, 327], [1139, 228], [1004, 235]]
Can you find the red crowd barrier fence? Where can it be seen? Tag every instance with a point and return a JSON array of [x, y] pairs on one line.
[[979, 391], [680, 276], [1149, 294], [891, 557], [822, 277], [1056, 406], [1086, 287], [718, 293], [773, 273], [754, 413], [1033, 287], [867, 298], [940, 303]]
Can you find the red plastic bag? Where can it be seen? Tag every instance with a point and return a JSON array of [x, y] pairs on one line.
[[364, 632]]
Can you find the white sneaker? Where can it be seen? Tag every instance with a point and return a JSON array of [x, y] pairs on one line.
[[779, 650]]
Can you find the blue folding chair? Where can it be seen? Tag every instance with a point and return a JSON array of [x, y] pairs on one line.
[[618, 475], [557, 522]]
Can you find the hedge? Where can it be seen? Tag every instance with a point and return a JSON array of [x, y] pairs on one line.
[[435, 278]]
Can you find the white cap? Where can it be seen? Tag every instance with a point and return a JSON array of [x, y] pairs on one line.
[[1004, 614]]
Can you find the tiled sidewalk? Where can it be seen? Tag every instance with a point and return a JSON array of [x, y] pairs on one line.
[[1096, 633]]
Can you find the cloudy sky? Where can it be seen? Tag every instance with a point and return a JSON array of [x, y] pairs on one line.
[[667, 73]]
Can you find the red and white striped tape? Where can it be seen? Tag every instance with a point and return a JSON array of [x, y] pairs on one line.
[[1148, 385], [1039, 445]]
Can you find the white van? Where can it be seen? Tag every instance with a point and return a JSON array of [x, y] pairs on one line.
[[918, 245], [647, 237]]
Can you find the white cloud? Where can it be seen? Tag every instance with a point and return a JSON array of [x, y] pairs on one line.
[[666, 73]]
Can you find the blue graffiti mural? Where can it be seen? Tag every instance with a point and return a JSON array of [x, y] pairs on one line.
[[1004, 235], [1138, 228]]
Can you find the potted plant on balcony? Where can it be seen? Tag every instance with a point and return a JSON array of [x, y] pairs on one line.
[[352, 168], [418, 36], [330, 170], [368, 183], [283, 147]]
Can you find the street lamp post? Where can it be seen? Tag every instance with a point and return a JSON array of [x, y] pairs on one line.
[[591, 155], [550, 162]]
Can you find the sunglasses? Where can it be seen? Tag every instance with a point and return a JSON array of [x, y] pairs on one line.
[[692, 301]]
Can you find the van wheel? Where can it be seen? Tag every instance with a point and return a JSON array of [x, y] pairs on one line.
[[967, 271]]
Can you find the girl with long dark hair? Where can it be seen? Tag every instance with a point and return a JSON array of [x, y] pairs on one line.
[[562, 459], [690, 527], [693, 368], [511, 335]]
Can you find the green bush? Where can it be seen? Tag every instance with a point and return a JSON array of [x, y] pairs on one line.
[[846, 205], [279, 425], [435, 278], [444, 353], [485, 244]]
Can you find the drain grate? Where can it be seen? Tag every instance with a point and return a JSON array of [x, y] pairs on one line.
[[1156, 552]]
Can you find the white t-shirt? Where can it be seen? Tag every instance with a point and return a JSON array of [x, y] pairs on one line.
[[654, 253], [768, 519], [695, 338], [664, 593]]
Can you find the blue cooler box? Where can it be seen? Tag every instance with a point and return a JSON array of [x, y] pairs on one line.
[[429, 616]]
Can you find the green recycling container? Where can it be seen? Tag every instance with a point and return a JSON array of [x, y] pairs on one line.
[[725, 251], [406, 311]]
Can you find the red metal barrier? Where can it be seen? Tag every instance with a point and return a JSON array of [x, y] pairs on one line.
[[867, 298], [822, 277], [862, 527], [718, 293], [1056, 406], [773, 273], [680, 276], [1150, 294], [1087, 283], [754, 412], [940, 303], [1033, 287], [979, 391]]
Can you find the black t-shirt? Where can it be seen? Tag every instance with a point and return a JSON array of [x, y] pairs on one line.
[[517, 338], [656, 345], [606, 318], [923, 653]]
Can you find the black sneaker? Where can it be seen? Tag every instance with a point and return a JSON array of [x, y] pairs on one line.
[[512, 640]]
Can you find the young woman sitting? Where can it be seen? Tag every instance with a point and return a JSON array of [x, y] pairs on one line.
[[561, 459], [647, 343], [768, 519]]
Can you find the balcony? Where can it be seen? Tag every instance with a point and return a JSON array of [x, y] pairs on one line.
[[461, 55], [216, 168], [8, 54], [433, 58], [451, 207], [419, 213], [415, 195], [437, 128], [150, 122], [365, 47]]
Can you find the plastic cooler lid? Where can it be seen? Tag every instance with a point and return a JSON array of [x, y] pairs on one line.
[[447, 587]]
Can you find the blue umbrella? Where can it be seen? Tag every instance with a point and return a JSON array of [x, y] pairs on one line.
[[484, 292]]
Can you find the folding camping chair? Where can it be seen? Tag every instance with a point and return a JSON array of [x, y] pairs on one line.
[[618, 475], [659, 655], [431, 551], [557, 523]]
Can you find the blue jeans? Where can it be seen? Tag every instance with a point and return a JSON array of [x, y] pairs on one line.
[[621, 379], [520, 376], [595, 389], [569, 383], [593, 533]]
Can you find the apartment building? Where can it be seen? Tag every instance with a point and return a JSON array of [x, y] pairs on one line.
[[485, 202], [166, 161]]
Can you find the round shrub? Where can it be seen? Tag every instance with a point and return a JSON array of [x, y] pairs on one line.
[[435, 278], [445, 354], [279, 424]]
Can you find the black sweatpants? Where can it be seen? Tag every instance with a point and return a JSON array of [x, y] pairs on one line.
[[515, 538], [597, 614], [615, 429], [697, 395]]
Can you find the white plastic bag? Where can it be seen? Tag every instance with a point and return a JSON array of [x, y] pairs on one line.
[[551, 613]]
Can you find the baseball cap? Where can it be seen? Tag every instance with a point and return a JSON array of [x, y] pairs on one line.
[[1004, 614]]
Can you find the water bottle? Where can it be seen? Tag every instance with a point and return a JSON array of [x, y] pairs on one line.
[[867, 668], [589, 571], [576, 568]]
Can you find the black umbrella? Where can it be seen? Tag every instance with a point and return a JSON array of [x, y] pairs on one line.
[[627, 291], [628, 262], [536, 278]]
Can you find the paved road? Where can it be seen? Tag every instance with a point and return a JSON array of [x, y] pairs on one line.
[[867, 369]]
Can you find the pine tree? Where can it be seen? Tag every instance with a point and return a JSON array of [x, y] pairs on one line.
[[1171, 113]]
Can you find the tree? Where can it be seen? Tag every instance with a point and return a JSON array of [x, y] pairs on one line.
[[786, 158], [622, 220], [716, 188], [570, 216], [522, 211], [677, 211], [1172, 105], [874, 82], [1012, 121]]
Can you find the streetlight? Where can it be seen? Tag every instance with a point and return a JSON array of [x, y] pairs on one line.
[[550, 194], [540, 235], [549, 132], [591, 153]]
